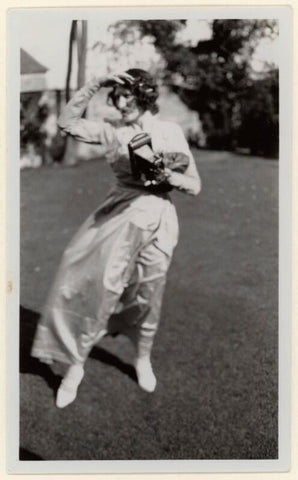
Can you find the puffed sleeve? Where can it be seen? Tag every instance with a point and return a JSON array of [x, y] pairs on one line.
[[72, 123], [189, 181]]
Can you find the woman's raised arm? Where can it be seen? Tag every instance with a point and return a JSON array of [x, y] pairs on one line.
[[71, 121]]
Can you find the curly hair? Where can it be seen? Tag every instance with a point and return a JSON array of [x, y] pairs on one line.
[[144, 88]]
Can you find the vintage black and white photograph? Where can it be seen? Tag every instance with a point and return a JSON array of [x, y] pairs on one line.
[[148, 151]]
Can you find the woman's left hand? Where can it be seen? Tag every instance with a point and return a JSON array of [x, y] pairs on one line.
[[167, 174], [111, 80]]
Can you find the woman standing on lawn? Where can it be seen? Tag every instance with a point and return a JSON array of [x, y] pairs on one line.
[[113, 272]]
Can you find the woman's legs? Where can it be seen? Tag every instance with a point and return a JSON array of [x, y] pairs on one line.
[[152, 265], [113, 270], [95, 271], [147, 293]]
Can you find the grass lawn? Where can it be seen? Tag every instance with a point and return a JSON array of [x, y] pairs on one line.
[[216, 353]]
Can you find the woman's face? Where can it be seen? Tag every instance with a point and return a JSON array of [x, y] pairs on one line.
[[126, 103]]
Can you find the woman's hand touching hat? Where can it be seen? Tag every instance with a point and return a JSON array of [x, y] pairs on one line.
[[111, 80]]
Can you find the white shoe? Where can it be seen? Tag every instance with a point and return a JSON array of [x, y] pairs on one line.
[[67, 391], [145, 375]]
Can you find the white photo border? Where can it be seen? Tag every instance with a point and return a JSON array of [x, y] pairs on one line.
[[282, 464]]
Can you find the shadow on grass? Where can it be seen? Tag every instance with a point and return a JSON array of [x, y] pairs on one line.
[[108, 358], [28, 364], [25, 454]]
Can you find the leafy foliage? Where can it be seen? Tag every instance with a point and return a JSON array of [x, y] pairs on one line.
[[31, 120], [216, 79], [259, 128], [163, 32]]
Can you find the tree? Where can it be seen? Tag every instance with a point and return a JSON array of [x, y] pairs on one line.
[[215, 78], [259, 128], [163, 32]]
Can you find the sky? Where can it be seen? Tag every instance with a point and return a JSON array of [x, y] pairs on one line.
[[47, 42]]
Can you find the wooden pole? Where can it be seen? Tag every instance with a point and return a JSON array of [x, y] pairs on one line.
[[72, 38], [82, 53], [71, 147]]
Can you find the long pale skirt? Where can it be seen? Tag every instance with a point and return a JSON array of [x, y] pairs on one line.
[[111, 278]]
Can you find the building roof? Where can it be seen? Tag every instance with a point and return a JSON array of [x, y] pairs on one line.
[[30, 65]]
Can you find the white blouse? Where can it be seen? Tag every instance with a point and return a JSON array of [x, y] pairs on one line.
[[115, 136]]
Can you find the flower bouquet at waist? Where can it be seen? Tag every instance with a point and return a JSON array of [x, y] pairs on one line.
[[150, 166]]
